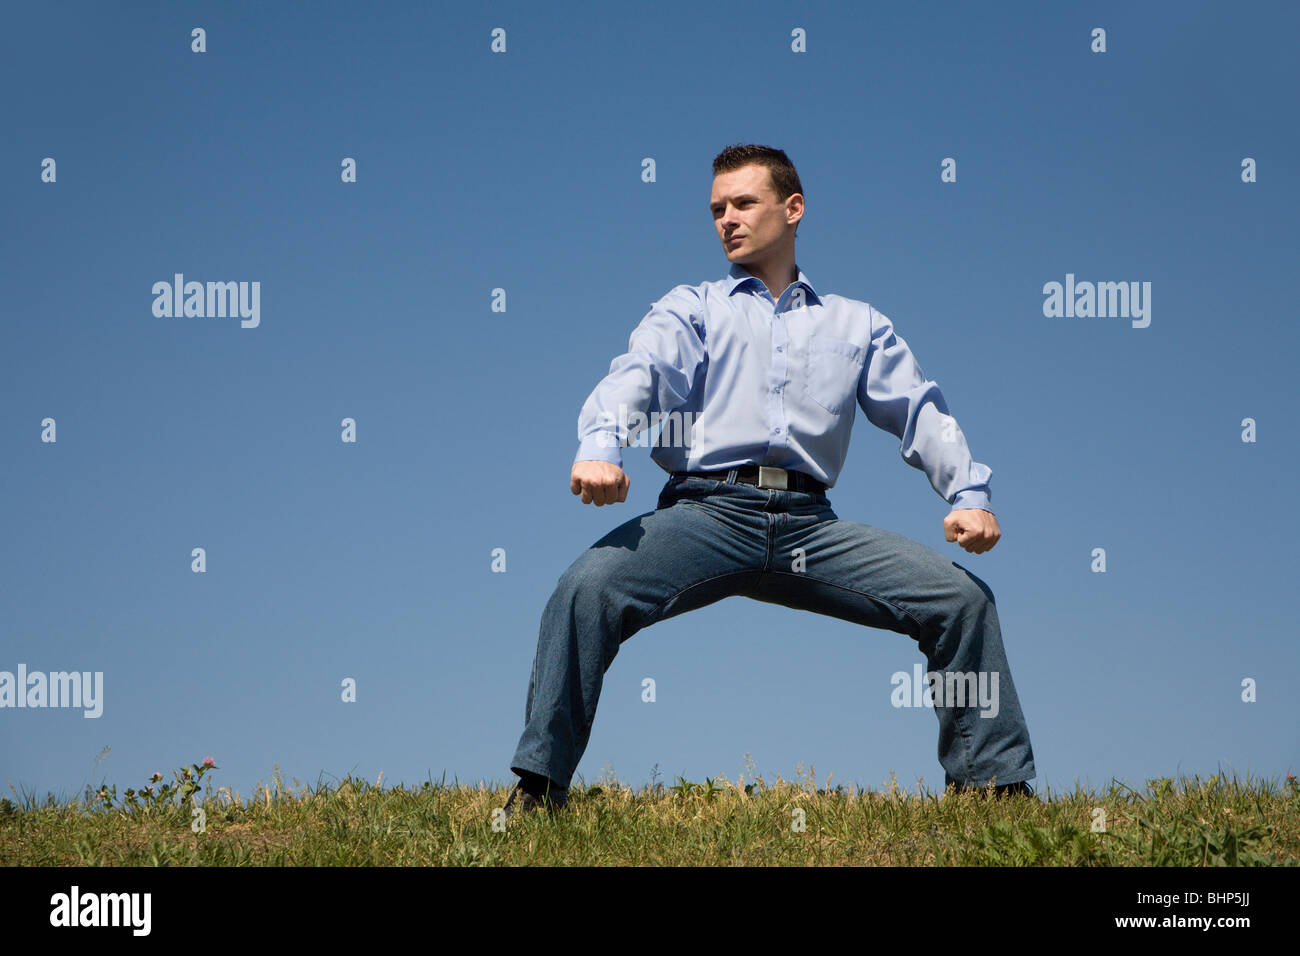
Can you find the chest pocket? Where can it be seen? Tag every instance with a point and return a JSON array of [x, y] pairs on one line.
[[832, 372]]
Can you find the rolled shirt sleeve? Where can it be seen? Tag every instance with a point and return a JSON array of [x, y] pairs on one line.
[[896, 396], [664, 354]]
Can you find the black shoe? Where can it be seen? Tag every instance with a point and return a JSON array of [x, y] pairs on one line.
[[524, 800], [1018, 789]]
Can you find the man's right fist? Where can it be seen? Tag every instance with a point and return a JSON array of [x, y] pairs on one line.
[[601, 482]]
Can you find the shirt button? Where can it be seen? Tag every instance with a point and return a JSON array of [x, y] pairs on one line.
[[780, 348]]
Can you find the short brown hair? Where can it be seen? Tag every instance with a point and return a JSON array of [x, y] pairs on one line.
[[784, 177]]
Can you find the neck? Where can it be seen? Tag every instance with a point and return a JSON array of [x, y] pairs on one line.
[[776, 273]]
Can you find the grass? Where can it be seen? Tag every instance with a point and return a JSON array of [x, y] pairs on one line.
[[1189, 822]]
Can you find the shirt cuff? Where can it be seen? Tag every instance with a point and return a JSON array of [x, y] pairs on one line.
[[973, 499], [600, 446]]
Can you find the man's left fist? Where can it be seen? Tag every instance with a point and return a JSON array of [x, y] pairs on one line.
[[974, 529]]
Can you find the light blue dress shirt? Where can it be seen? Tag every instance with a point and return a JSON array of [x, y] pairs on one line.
[[721, 376]]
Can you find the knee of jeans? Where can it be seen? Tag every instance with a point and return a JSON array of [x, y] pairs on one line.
[[974, 592], [587, 575]]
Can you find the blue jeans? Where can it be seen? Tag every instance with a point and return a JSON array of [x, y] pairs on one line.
[[709, 539]]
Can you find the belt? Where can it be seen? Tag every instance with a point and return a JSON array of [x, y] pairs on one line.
[[763, 476]]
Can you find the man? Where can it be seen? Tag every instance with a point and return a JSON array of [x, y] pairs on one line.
[[763, 373]]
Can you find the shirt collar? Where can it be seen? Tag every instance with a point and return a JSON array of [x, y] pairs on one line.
[[738, 276]]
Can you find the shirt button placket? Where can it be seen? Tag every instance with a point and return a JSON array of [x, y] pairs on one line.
[[776, 415]]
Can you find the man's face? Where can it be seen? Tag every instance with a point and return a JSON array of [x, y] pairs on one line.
[[749, 220]]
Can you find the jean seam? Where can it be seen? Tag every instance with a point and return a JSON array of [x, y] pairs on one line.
[[654, 615], [771, 538], [968, 755], [845, 587]]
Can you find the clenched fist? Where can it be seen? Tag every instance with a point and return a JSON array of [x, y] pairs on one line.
[[974, 529], [601, 482]]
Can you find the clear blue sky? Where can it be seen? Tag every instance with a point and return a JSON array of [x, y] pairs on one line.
[[522, 171]]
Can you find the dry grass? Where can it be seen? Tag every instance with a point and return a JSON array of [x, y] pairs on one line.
[[1191, 823]]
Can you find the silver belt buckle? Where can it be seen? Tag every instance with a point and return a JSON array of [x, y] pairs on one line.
[[769, 477]]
